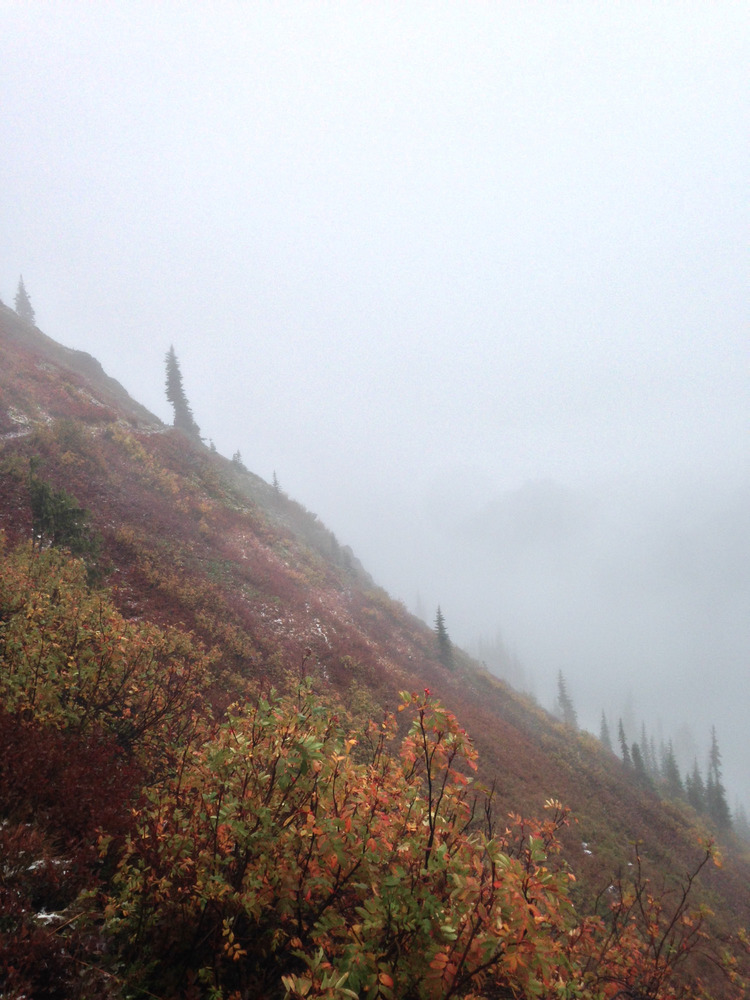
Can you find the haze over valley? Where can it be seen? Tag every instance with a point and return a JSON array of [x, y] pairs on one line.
[[472, 281]]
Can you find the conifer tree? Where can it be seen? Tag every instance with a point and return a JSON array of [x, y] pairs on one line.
[[23, 304], [183, 415], [695, 789], [624, 748], [58, 519], [604, 737], [671, 773], [278, 493], [716, 796], [564, 709], [444, 644]]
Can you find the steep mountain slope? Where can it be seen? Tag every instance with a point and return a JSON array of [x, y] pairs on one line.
[[188, 538]]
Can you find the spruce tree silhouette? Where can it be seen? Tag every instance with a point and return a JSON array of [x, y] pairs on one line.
[[444, 644], [716, 797], [23, 304], [183, 415], [564, 709]]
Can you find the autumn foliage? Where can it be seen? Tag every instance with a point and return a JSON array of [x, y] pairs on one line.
[[295, 852], [71, 661], [157, 844], [287, 856]]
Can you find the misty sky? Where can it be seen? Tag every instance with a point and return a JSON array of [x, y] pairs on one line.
[[410, 255]]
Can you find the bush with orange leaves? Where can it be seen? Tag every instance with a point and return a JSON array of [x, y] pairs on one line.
[[287, 858], [276, 853]]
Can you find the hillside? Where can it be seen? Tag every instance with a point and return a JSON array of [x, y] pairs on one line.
[[189, 540], [640, 581]]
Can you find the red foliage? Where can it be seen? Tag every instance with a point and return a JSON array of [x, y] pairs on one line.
[[58, 793], [70, 785]]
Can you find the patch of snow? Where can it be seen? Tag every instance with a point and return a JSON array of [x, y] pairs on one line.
[[58, 862]]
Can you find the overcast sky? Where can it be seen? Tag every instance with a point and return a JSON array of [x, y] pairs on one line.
[[401, 249]]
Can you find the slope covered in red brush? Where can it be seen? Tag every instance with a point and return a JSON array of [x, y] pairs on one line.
[[200, 587]]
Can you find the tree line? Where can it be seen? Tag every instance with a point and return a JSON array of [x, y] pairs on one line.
[[650, 765]]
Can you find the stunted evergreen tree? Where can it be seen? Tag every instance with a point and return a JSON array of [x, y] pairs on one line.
[[604, 737], [624, 748], [444, 644], [278, 493], [23, 304], [670, 773], [58, 519], [716, 796], [564, 709], [183, 415]]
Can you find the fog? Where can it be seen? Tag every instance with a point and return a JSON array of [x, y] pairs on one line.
[[471, 279]]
